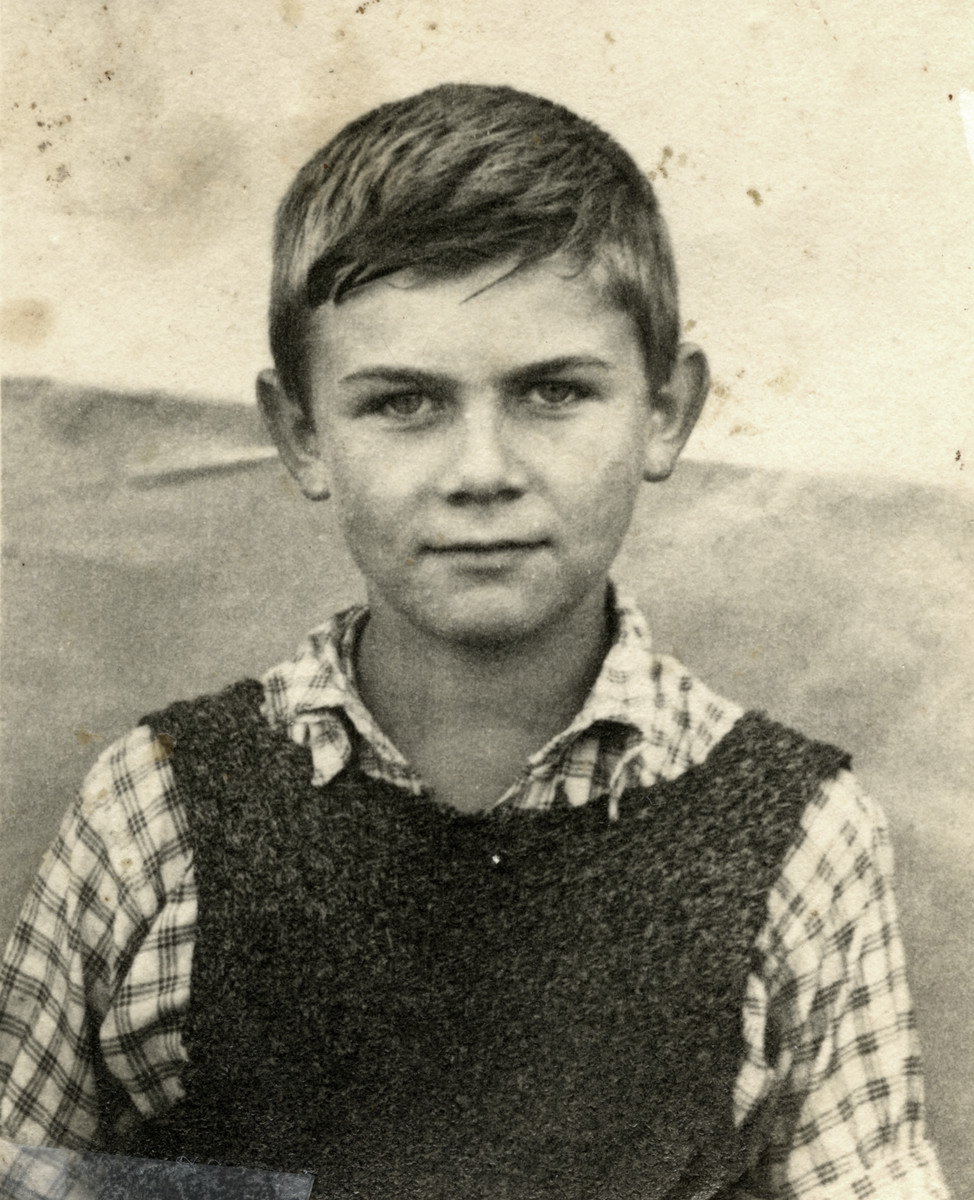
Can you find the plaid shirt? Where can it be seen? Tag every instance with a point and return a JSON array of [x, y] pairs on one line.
[[103, 949]]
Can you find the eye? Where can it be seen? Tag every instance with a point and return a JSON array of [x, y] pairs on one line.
[[557, 393], [403, 405]]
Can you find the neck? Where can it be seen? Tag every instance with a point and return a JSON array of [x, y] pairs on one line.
[[489, 706]]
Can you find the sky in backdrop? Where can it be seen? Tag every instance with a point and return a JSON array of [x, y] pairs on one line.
[[810, 156]]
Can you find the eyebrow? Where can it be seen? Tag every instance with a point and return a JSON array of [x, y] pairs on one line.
[[547, 366]]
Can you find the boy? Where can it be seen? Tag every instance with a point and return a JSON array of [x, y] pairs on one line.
[[476, 897]]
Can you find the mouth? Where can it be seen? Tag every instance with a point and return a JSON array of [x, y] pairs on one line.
[[504, 546], [482, 547]]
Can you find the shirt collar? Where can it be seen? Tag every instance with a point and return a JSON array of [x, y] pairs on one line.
[[623, 693], [651, 698], [323, 685], [322, 675]]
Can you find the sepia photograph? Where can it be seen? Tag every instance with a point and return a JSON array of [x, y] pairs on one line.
[[487, 683]]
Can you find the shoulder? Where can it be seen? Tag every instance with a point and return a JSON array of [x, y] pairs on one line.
[[127, 840], [843, 847], [839, 857], [833, 898], [212, 714], [221, 748], [844, 822], [128, 816], [686, 724], [767, 754]]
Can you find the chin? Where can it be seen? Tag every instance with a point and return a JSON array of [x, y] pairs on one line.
[[490, 624]]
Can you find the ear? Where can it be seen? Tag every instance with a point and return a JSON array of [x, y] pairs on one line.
[[294, 435], [675, 409]]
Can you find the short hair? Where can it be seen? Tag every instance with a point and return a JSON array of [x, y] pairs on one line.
[[458, 176]]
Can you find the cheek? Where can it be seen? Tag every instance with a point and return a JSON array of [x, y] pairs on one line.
[[364, 520], [608, 510], [354, 490], [603, 481], [613, 443], [613, 511], [373, 511]]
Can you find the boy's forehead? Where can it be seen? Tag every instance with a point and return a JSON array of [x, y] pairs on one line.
[[502, 310]]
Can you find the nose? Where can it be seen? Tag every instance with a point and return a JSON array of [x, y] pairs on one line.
[[483, 462]]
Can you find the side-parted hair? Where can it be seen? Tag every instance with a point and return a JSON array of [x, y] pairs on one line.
[[458, 176]]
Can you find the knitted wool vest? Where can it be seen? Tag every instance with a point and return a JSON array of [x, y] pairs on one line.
[[414, 1002]]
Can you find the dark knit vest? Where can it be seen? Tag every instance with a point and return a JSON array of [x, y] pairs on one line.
[[417, 1003]]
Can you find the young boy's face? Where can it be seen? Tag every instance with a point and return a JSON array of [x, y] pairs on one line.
[[484, 438]]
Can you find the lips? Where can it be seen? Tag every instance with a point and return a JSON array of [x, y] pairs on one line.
[[494, 546]]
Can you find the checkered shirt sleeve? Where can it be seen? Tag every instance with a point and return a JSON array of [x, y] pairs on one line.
[[829, 1024], [101, 955]]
